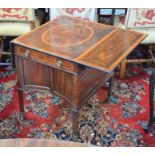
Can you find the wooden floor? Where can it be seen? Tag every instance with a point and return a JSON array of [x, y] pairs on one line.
[[27, 142]]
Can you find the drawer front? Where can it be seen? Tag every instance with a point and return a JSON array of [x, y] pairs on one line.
[[46, 59]]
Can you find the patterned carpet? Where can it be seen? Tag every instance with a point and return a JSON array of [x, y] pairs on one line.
[[47, 116]]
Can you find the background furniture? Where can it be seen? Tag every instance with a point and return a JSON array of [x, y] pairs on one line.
[[108, 15], [140, 20], [72, 58], [31, 142], [15, 22], [85, 13]]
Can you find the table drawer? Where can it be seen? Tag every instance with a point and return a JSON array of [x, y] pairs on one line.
[[46, 59]]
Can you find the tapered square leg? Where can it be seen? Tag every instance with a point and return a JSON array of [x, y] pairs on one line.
[[75, 118], [111, 82], [151, 99], [21, 100], [109, 91]]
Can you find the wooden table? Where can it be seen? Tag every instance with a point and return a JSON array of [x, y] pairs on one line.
[[30, 142], [72, 58]]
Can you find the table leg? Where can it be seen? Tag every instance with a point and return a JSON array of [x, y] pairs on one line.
[[151, 96], [21, 100], [110, 89], [75, 118], [151, 118]]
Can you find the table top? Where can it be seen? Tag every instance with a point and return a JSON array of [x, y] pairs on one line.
[[88, 43], [32, 142]]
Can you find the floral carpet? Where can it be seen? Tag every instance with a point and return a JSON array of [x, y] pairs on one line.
[[118, 123]]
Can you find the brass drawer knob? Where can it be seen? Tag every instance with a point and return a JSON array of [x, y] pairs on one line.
[[27, 53], [59, 63]]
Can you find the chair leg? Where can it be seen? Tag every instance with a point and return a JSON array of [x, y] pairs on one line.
[[12, 55], [122, 69], [4, 53], [1, 47], [150, 52]]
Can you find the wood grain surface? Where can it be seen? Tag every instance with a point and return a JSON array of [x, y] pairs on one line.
[[92, 44]]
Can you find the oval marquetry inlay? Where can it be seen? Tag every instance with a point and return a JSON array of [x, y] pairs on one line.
[[67, 35]]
